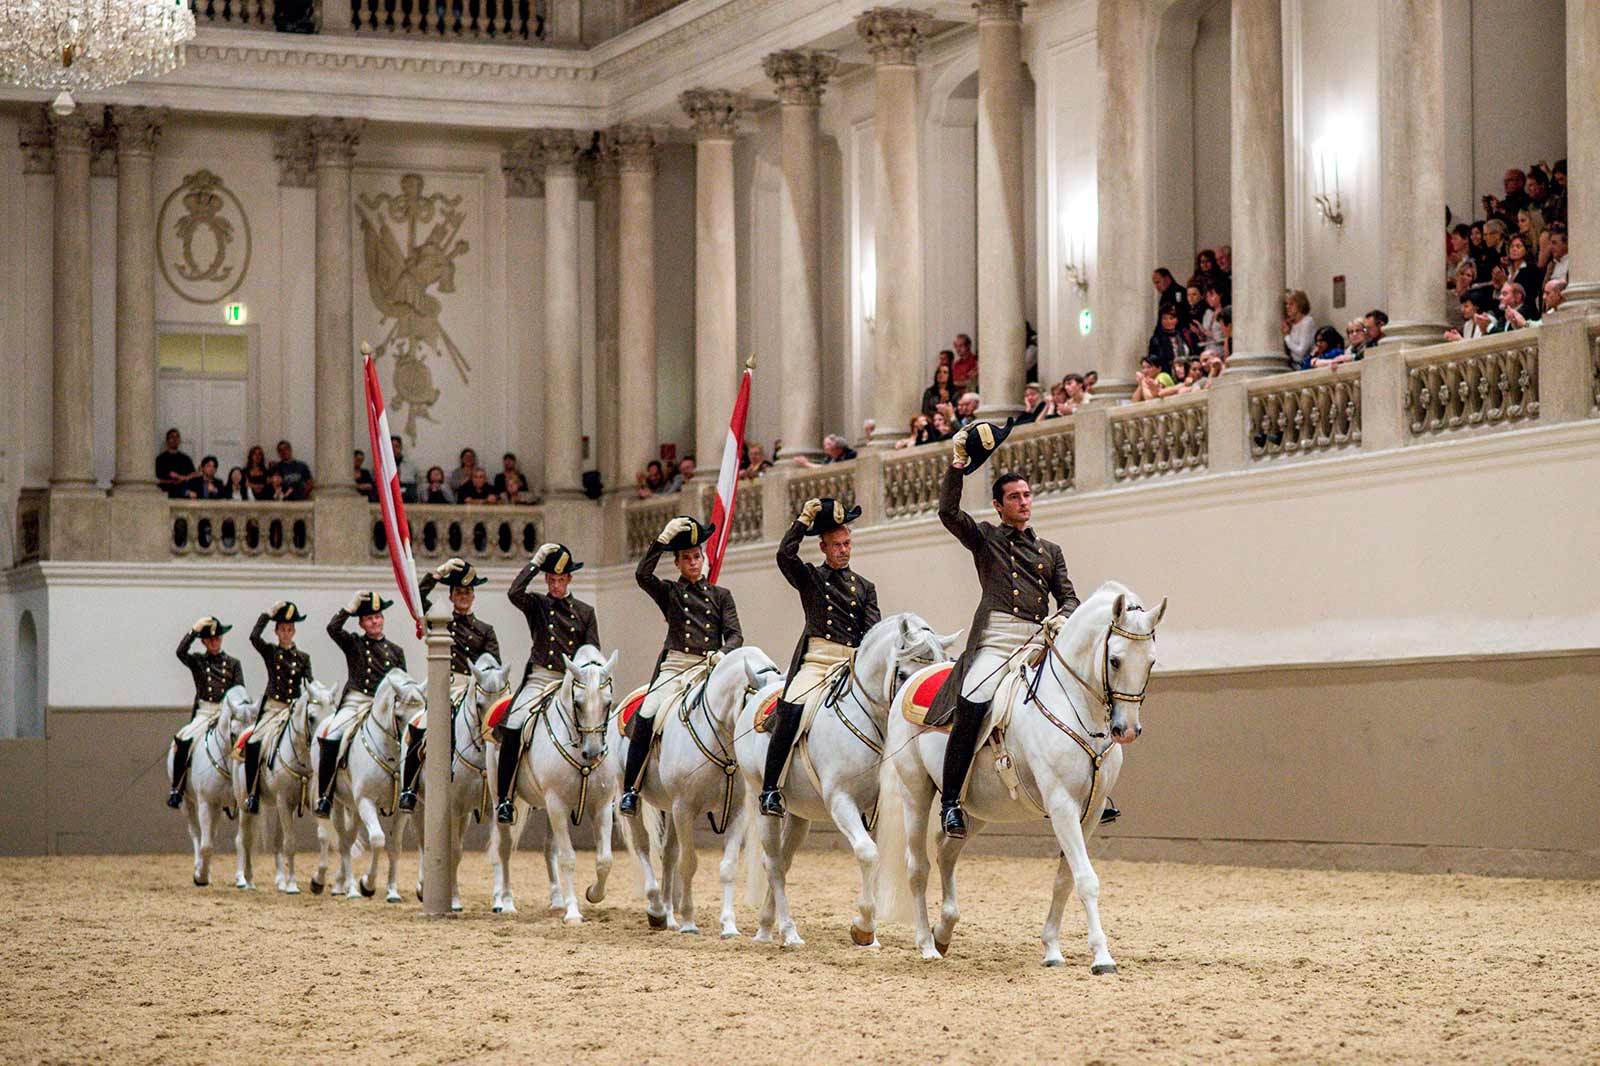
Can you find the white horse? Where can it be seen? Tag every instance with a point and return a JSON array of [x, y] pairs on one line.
[[833, 771], [208, 786], [285, 776], [468, 766], [364, 791], [1078, 705], [694, 771], [568, 770]]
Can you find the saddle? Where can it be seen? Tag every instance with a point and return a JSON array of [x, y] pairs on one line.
[[826, 693], [925, 684]]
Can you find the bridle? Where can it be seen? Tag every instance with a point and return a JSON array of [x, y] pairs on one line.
[[1106, 695], [576, 733]]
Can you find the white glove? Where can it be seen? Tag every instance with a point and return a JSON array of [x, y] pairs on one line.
[[674, 527], [808, 513], [545, 551], [715, 657], [358, 601], [280, 605], [959, 441], [201, 624]]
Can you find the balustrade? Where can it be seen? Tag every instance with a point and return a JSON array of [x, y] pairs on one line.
[[235, 14], [646, 517], [1159, 437], [228, 529], [1486, 382], [835, 481], [486, 534], [911, 480], [749, 512], [465, 20], [1301, 414], [1042, 453]]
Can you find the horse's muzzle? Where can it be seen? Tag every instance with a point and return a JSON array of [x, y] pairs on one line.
[[1124, 735]]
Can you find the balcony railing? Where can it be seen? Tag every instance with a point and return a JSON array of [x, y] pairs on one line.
[[227, 529], [236, 14], [1159, 437], [1594, 371], [478, 534], [487, 21], [911, 480], [1311, 413], [1042, 453], [1489, 381], [835, 481]]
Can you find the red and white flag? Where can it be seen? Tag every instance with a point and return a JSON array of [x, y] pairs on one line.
[[728, 480], [387, 477]]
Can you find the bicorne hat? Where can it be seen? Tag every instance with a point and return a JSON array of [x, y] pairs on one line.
[[371, 603], [983, 440], [558, 560], [696, 535], [457, 573], [832, 515], [285, 611], [213, 627]]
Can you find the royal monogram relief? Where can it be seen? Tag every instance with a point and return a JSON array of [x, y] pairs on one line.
[[204, 251], [402, 281]]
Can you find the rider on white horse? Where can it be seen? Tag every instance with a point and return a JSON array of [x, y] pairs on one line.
[[839, 605], [702, 624], [470, 637], [214, 674], [287, 669], [559, 624], [369, 657]]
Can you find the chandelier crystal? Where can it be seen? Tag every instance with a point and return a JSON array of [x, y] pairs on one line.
[[82, 45]]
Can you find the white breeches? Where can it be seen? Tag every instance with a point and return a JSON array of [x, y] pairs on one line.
[[355, 704], [539, 679], [821, 657], [1002, 635], [205, 716], [678, 671]]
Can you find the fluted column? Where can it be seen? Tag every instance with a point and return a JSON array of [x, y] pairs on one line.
[[800, 76], [562, 385], [138, 129], [1120, 278], [715, 114], [608, 403], [334, 141], [1583, 155], [894, 37], [636, 311], [72, 393], [1002, 236], [1257, 174]]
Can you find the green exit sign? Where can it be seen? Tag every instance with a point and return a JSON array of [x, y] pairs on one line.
[[233, 314], [1085, 321]]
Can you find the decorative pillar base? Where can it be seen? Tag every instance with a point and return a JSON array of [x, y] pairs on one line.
[[1580, 299], [138, 487], [79, 530], [1113, 388], [1256, 364]]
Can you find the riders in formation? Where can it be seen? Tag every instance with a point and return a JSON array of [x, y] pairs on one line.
[[214, 674], [368, 657], [288, 669]]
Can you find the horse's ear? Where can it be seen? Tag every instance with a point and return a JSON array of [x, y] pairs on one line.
[[1161, 610], [949, 642], [1118, 606], [572, 669], [906, 632], [611, 664]]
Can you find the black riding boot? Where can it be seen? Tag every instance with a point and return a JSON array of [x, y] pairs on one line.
[[326, 765], [783, 734], [505, 812], [958, 755], [180, 770], [1110, 814], [252, 777], [415, 738], [639, 742]]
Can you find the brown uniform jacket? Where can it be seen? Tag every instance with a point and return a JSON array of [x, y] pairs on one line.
[[368, 660], [470, 636], [559, 625], [213, 675], [839, 605], [701, 617], [286, 667]]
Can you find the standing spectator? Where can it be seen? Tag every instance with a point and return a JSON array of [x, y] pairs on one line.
[[1169, 294], [406, 469], [1457, 242], [364, 483], [652, 480], [941, 391], [508, 465], [463, 473], [205, 485], [964, 367], [1555, 201], [295, 475], [835, 449], [1030, 351], [1374, 321], [1211, 322], [1225, 262], [1515, 199], [1299, 330], [509, 487], [1034, 405], [681, 476], [1194, 329], [477, 488], [235, 488], [435, 489], [175, 471], [255, 472], [1522, 268], [1205, 269], [1167, 343], [967, 409]]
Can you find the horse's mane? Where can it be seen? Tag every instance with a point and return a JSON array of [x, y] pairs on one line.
[[589, 655]]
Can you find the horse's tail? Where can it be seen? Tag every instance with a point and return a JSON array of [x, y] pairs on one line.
[[894, 882], [755, 874]]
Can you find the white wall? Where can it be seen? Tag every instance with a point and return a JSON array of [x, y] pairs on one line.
[[675, 180]]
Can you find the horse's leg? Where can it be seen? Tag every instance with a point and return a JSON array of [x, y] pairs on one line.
[[775, 902], [847, 816], [458, 836], [393, 842], [285, 844], [638, 837], [192, 814], [1069, 834], [207, 816], [566, 860], [949, 909], [795, 831], [669, 869], [367, 812], [688, 860], [244, 867], [422, 847], [503, 900], [552, 862], [327, 839], [918, 799], [602, 852], [1052, 921], [728, 869]]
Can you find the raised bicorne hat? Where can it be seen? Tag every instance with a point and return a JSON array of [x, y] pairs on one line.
[[833, 514], [695, 536], [559, 561], [213, 628], [286, 611], [983, 440], [457, 573], [371, 603]]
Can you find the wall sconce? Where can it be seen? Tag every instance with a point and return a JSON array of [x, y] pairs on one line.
[[1326, 153], [869, 294], [1076, 224]]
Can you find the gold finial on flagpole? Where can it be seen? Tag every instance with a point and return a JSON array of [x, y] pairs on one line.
[[366, 349], [750, 363]]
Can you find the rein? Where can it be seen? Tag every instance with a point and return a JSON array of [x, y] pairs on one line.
[[727, 763], [548, 712]]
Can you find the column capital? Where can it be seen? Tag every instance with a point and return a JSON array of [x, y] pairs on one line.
[[800, 74], [138, 129], [999, 10], [714, 113], [519, 163], [894, 35], [71, 133], [605, 160], [296, 155], [334, 140], [37, 141], [555, 151], [635, 148]]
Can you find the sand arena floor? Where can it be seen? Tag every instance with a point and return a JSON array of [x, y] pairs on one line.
[[121, 960]]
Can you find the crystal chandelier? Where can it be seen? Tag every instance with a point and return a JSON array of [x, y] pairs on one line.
[[80, 45]]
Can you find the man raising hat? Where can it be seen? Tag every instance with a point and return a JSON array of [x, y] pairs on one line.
[[559, 624], [702, 623], [288, 668], [214, 674], [470, 637], [839, 605], [368, 656]]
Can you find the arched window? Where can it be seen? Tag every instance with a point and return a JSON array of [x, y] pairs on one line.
[[28, 714]]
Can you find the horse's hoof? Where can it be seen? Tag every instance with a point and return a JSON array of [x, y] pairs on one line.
[[573, 920], [361, 884], [202, 882], [455, 908], [1055, 962], [393, 897], [943, 947], [862, 940], [691, 930], [498, 909], [292, 890], [657, 921], [317, 887], [762, 936], [1099, 969], [594, 896], [419, 895]]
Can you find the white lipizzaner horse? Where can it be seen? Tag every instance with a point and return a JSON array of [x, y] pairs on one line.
[[468, 780], [569, 771], [694, 771], [365, 790], [833, 771], [284, 784], [1067, 721], [208, 786]]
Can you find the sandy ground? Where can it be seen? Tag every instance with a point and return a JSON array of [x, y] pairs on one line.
[[122, 960]]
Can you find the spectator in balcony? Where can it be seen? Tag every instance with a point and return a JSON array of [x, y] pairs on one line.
[[941, 391], [255, 471], [1211, 322], [205, 485], [1483, 257], [1327, 349], [652, 480], [364, 483], [1225, 262], [1477, 315], [295, 475], [1555, 294], [939, 428], [1151, 380], [1030, 351], [1168, 294], [1194, 313], [1076, 387], [1466, 277], [1555, 201], [1091, 378], [275, 490], [681, 476], [1212, 367], [1494, 242], [1205, 270], [835, 449], [175, 471], [964, 367], [1167, 343], [1059, 404], [477, 489], [1512, 300], [435, 489], [235, 488], [1034, 405], [1523, 268], [406, 469], [1554, 254], [463, 473], [919, 431], [1456, 242], [1516, 198], [1355, 337], [509, 486], [1299, 329], [508, 465], [966, 410], [1374, 321], [1530, 224], [869, 426], [756, 462]]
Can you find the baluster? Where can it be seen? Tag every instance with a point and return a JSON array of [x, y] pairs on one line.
[[456, 7], [503, 29]]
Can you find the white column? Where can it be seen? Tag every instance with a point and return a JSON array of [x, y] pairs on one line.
[[715, 114], [894, 37], [72, 389], [608, 406], [562, 385], [1257, 171], [1002, 329], [636, 311], [335, 141], [800, 76], [138, 129], [1583, 156], [1120, 278]]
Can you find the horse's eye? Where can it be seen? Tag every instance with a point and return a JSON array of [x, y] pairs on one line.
[[1116, 663]]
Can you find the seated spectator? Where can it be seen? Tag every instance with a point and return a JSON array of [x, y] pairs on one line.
[[1355, 337], [869, 426], [1151, 379], [255, 472], [835, 449], [1211, 369], [295, 475], [434, 488], [1194, 330], [1185, 377], [1456, 243], [1466, 277], [510, 487], [1374, 321], [1299, 330], [235, 488], [1212, 340], [1060, 404], [477, 489], [1167, 343], [205, 485], [1168, 294], [1076, 389], [1483, 257], [1556, 254], [1205, 270], [939, 428], [967, 410], [1477, 315], [964, 368], [1091, 378], [1034, 405], [275, 490], [1522, 268], [1327, 349], [1555, 294], [919, 427], [175, 471], [406, 469], [681, 476], [364, 483], [508, 465], [463, 473], [757, 464], [941, 391], [1512, 300]]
